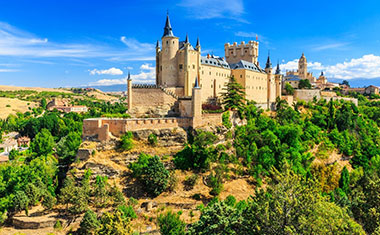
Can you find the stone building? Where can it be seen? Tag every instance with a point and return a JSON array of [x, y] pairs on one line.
[[302, 72], [178, 63]]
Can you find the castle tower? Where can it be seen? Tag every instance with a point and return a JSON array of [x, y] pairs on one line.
[[278, 79], [302, 67], [129, 81], [248, 52], [158, 49], [268, 70], [196, 103], [167, 60]]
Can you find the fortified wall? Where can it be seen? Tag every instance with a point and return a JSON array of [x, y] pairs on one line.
[[190, 115]]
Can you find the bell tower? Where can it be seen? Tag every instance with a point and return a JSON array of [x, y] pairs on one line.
[[302, 67]]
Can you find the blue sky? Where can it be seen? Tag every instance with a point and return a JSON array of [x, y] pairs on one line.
[[95, 42]]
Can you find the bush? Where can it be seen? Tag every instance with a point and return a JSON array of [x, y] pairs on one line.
[[226, 120], [58, 225], [152, 173], [170, 224], [190, 181], [126, 141], [152, 139], [89, 223], [127, 211]]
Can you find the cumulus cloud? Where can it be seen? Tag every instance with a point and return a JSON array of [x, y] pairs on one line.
[[233, 9], [368, 66], [110, 71], [147, 75]]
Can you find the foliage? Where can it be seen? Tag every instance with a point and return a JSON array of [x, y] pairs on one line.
[[67, 147], [198, 154], [126, 141], [289, 89], [152, 139], [152, 174], [226, 120], [344, 181], [304, 83], [171, 224], [190, 181], [43, 144], [234, 97]]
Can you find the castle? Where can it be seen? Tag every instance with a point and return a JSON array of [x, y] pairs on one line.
[[178, 64]]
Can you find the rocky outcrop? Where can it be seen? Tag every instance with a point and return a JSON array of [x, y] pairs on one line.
[[84, 154], [165, 137], [100, 169]]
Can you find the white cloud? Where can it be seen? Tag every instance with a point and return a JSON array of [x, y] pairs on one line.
[[110, 71], [209, 9], [18, 43], [147, 75], [330, 46], [246, 34], [368, 66], [8, 70]]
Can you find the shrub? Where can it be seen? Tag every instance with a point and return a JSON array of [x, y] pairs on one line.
[[226, 120], [127, 211], [170, 223], [126, 141], [89, 223], [190, 181], [58, 225], [152, 139]]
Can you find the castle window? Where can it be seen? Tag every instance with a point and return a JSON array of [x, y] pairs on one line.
[[210, 73], [167, 42], [161, 68], [241, 76], [181, 66], [193, 66]]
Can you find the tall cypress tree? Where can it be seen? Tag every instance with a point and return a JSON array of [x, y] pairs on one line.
[[235, 95]]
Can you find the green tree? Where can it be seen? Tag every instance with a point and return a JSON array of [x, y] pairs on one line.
[[43, 143], [234, 97], [171, 224], [289, 89], [20, 201], [67, 147], [218, 218], [126, 141], [43, 103], [114, 223], [344, 181], [304, 83], [155, 177], [89, 224]]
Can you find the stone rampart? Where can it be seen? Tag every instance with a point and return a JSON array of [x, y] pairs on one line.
[[307, 94], [150, 96]]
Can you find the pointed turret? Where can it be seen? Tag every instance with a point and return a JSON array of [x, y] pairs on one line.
[[158, 44], [187, 38], [198, 46], [268, 65], [196, 83], [322, 74], [129, 76], [278, 70], [168, 28]]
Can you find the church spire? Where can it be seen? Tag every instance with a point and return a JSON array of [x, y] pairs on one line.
[[168, 28]]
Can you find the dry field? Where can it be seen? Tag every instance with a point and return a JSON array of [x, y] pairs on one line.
[[12, 106]]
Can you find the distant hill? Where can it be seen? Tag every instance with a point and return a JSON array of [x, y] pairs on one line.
[[360, 82], [111, 88]]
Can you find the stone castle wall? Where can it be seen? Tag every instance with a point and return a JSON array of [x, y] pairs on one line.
[[143, 96], [104, 129], [307, 95]]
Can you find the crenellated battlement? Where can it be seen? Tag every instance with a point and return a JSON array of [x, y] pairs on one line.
[[243, 51]]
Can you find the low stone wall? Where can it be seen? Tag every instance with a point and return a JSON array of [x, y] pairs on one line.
[[307, 95], [288, 98], [353, 100], [104, 128], [211, 119]]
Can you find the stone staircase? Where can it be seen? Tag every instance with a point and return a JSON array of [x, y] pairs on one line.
[[166, 91]]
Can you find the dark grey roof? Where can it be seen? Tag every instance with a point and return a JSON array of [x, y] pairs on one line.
[[292, 78], [268, 64], [278, 70], [182, 45], [215, 61], [168, 28], [242, 64], [196, 83], [198, 43]]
